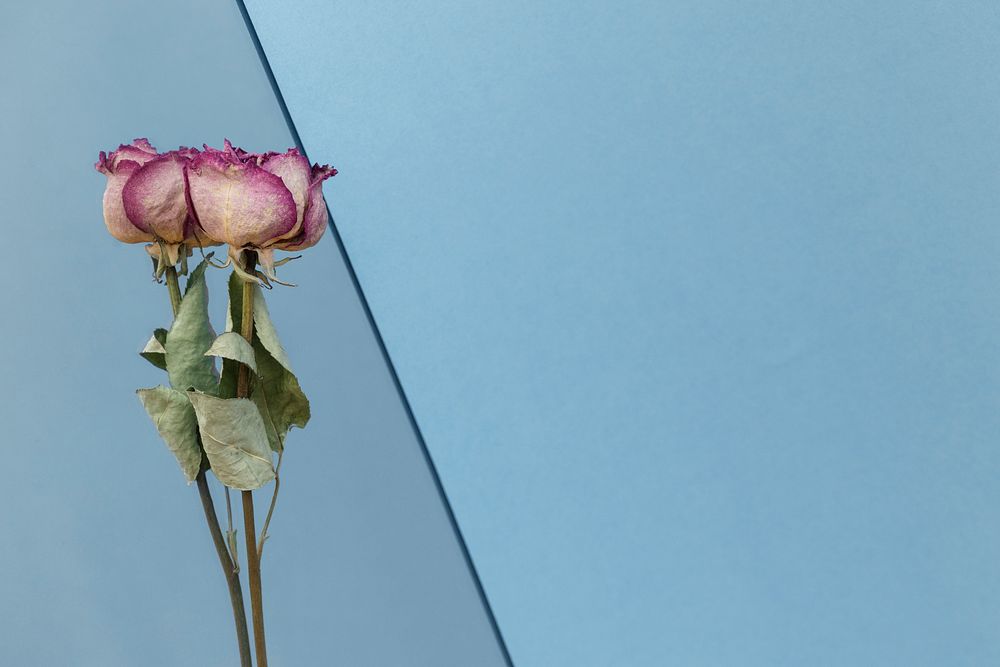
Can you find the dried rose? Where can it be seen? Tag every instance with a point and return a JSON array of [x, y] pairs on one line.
[[258, 201], [146, 199]]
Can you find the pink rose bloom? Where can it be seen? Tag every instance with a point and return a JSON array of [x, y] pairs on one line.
[[258, 201], [146, 197]]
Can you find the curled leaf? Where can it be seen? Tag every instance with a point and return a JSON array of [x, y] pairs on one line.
[[266, 332], [280, 399], [175, 420], [154, 352], [231, 345]]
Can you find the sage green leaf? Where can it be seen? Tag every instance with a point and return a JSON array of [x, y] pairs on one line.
[[266, 332], [174, 417], [198, 275], [154, 352], [235, 441], [234, 314], [232, 351], [277, 393], [234, 324], [189, 338], [278, 396], [229, 379], [231, 345], [276, 441], [280, 399]]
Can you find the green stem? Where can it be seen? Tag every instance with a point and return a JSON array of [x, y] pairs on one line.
[[229, 569], [253, 574], [174, 288], [225, 560], [249, 524]]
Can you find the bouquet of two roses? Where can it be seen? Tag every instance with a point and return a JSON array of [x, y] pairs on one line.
[[230, 418]]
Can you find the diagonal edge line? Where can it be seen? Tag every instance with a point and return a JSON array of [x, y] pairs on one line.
[[381, 344]]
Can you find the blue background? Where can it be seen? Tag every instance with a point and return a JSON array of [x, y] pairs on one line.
[[105, 560], [694, 303], [696, 306]]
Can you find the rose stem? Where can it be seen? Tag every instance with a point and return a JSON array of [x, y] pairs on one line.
[[249, 526], [228, 568]]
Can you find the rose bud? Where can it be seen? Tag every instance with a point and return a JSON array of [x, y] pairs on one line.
[[146, 199], [259, 202]]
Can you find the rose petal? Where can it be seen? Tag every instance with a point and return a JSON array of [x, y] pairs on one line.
[[142, 143], [314, 222], [294, 171], [239, 204], [155, 200], [316, 217], [321, 172], [139, 151], [115, 218]]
